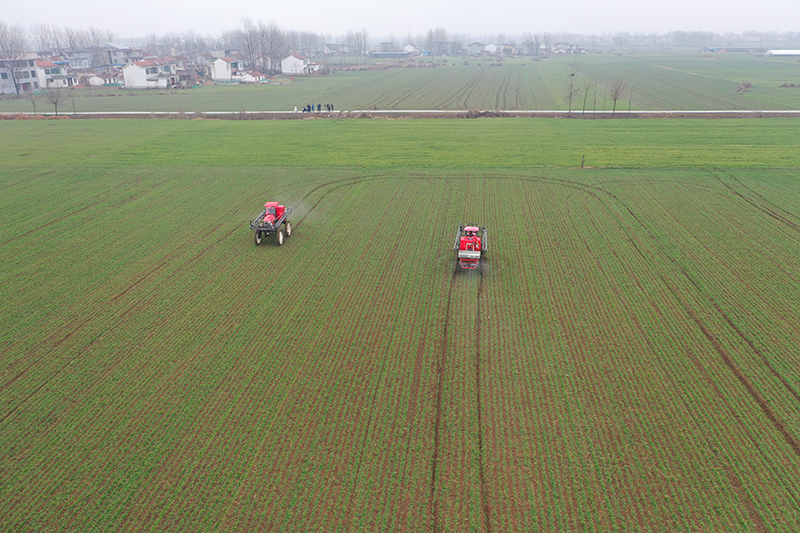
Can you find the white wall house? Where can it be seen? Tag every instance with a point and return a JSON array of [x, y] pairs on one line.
[[105, 78], [123, 55], [25, 74], [476, 48], [52, 76], [150, 74], [294, 64], [252, 76], [6, 81], [225, 69]]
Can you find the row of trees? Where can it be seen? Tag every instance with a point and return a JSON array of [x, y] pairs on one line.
[[55, 39], [614, 88], [264, 45], [267, 40]]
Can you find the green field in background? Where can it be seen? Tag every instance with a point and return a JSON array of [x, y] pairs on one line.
[[655, 81]]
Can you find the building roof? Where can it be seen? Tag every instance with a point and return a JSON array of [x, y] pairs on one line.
[[154, 62]]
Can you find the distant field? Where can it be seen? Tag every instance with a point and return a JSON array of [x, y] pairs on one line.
[[486, 143], [654, 81], [625, 361]]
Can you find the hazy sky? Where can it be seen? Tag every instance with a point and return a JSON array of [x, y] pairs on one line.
[[381, 18]]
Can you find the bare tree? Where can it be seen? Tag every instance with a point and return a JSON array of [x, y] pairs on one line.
[[170, 44], [349, 41], [151, 43], [96, 43], [435, 39], [12, 49], [356, 42], [271, 45], [572, 70], [72, 39], [54, 95], [193, 43], [249, 36], [630, 98], [362, 42], [70, 95], [31, 95], [42, 35], [228, 39], [589, 84], [617, 91]]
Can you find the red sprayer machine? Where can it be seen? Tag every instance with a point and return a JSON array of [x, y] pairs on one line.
[[272, 220], [471, 245]]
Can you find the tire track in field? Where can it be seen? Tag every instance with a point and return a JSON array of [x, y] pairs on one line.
[[772, 211], [465, 92], [700, 95], [334, 185], [416, 89], [99, 335], [411, 88], [761, 402], [716, 343], [501, 91], [440, 366], [479, 399], [51, 221], [64, 338], [758, 398], [440, 378]]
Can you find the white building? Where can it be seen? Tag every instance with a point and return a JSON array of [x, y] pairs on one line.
[[123, 55], [151, 74], [52, 76], [24, 73], [225, 69], [294, 64], [105, 78], [783, 52], [252, 76]]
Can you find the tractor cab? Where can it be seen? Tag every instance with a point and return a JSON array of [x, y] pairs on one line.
[[470, 241], [272, 212]]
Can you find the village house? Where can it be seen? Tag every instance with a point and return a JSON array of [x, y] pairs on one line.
[[106, 79], [294, 64], [123, 55], [252, 76], [332, 49], [50, 75], [82, 59], [225, 69], [508, 49], [151, 74], [476, 49], [24, 73]]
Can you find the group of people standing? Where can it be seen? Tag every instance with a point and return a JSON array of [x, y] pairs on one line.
[[315, 108]]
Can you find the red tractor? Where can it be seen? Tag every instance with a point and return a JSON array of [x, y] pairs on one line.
[[471, 245], [272, 220]]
